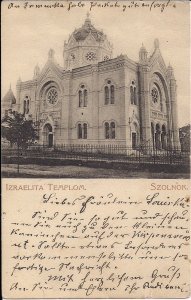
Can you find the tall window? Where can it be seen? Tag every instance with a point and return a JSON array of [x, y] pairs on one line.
[[85, 131], [133, 93], [83, 96], [109, 130], [26, 105], [112, 89], [80, 99], [109, 93], [82, 131], [106, 95], [112, 126], [79, 131]]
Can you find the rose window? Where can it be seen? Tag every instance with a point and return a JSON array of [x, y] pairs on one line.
[[52, 96], [155, 95], [106, 57], [90, 56]]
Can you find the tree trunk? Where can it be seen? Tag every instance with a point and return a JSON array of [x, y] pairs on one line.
[[17, 158]]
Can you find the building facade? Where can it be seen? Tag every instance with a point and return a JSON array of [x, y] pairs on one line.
[[98, 99]]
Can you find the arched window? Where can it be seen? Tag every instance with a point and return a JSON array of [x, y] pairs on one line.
[[109, 93], [112, 89], [79, 131], [106, 130], [83, 96], [112, 130], [85, 131], [109, 130], [106, 95], [24, 107], [27, 106], [133, 93], [80, 99], [82, 131]]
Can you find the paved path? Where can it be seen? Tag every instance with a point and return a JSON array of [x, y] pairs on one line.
[[38, 171]]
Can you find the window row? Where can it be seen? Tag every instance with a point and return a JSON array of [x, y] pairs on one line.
[[109, 94], [109, 130]]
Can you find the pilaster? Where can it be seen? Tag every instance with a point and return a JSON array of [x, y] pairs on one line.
[[173, 100], [144, 103]]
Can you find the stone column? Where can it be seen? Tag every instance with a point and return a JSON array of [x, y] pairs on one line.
[[94, 105], [18, 100], [173, 102]]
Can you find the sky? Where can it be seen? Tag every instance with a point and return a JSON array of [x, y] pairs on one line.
[[29, 33]]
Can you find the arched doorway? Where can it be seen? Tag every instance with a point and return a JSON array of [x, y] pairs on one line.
[[153, 134], [157, 137], [134, 136], [48, 135], [163, 137]]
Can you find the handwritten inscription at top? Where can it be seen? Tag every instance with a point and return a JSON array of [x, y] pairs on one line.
[[123, 6], [83, 244]]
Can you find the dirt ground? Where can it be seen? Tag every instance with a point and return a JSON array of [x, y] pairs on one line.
[[38, 171]]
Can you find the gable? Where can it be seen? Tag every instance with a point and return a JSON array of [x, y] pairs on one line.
[[50, 70], [156, 61]]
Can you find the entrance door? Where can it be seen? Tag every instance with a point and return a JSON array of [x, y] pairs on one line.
[[50, 139], [134, 140], [48, 136]]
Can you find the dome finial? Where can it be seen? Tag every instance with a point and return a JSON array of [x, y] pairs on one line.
[[156, 43], [87, 20], [51, 54]]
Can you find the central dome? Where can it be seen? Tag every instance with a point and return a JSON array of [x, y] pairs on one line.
[[86, 45], [82, 33]]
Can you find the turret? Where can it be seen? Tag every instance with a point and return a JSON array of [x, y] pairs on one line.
[[143, 54], [8, 101], [36, 71], [51, 53], [170, 72]]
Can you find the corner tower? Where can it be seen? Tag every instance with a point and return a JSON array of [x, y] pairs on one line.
[[86, 46]]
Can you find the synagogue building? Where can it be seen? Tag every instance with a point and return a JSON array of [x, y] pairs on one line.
[[95, 98]]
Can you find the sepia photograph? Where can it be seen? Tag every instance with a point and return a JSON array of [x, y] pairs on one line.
[[95, 90], [95, 149]]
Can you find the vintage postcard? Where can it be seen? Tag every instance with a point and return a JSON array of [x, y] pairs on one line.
[[95, 149]]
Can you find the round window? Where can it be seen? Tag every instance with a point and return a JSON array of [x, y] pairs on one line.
[[106, 57], [90, 56], [52, 96], [155, 95]]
